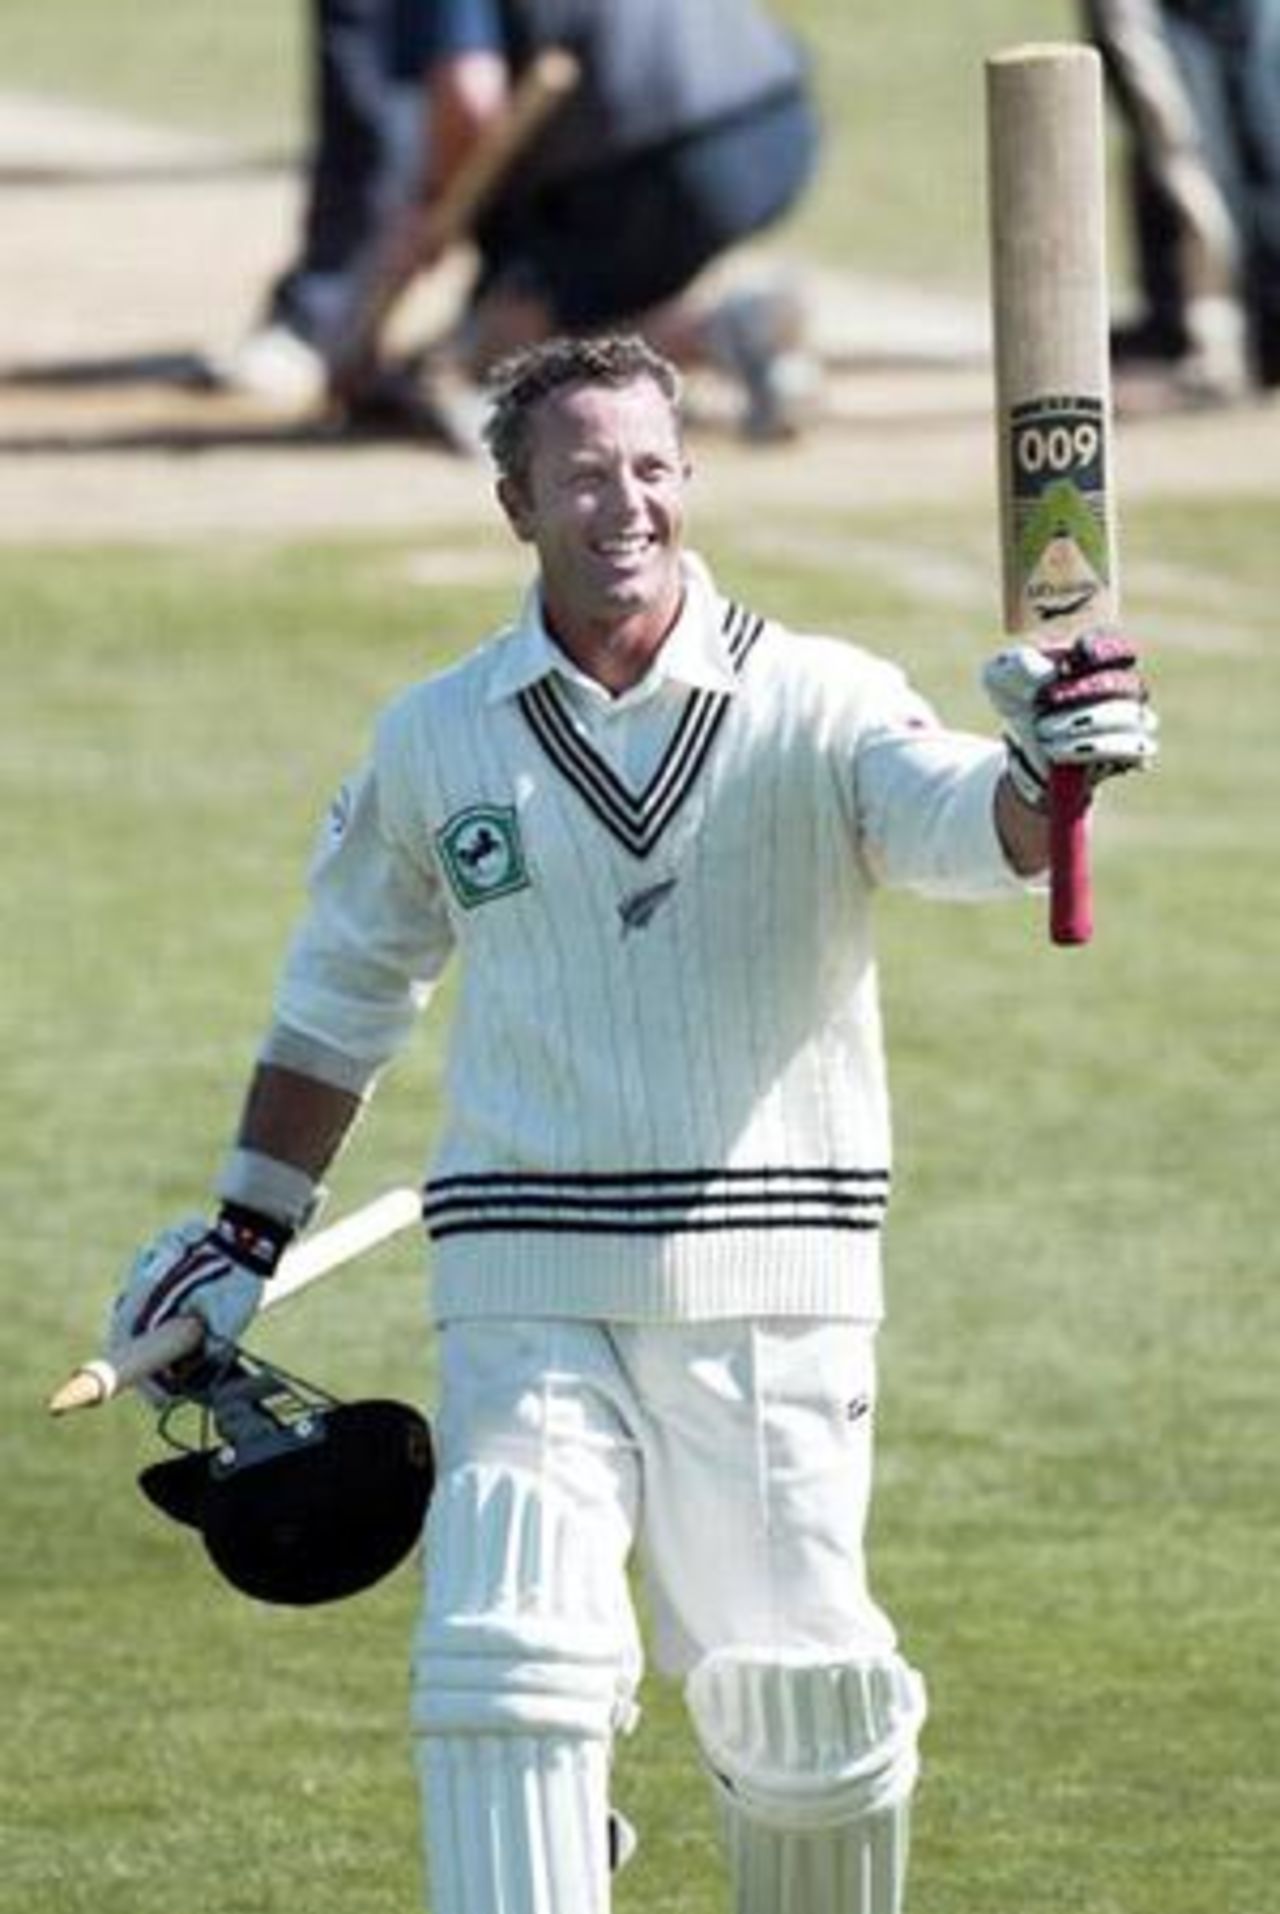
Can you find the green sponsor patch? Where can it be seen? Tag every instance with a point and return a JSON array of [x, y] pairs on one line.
[[482, 854]]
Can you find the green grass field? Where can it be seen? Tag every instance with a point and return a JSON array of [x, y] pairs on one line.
[[1076, 1487], [1076, 1484]]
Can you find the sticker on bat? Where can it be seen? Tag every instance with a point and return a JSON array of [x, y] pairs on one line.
[[1058, 474]]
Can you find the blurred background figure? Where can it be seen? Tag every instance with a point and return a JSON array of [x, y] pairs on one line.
[[1197, 84], [691, 131], [363, 168]]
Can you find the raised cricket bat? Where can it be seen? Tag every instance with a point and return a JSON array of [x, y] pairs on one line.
[[1047, 197], [542, 89], [314, 1256]]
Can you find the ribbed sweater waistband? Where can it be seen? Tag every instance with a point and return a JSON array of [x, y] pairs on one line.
[[816, 1271]]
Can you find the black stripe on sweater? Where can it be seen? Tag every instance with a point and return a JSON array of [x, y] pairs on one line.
[[638, 819], [658, 1202]]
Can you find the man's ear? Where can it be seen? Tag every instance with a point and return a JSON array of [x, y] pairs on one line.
[[514, 500]]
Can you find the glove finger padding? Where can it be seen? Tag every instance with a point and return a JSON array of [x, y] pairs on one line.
[[1092, 651], [1119, 735], [191, 1269], [1083, 704], [1094, 711]]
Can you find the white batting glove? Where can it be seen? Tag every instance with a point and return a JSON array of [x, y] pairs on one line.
[[214, 1271], [1082, 704]]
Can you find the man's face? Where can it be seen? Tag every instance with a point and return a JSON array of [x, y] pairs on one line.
[[603, 504]]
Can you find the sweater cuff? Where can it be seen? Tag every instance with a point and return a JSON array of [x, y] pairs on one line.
[[274, 1189], [292, 1049]]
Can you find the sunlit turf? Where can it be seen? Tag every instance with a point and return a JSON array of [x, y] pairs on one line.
[[1076, 1489]]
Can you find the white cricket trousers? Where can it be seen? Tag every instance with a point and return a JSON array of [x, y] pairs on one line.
[[732, 1459]]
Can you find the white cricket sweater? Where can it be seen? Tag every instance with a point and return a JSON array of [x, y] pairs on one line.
[[666, 1085]]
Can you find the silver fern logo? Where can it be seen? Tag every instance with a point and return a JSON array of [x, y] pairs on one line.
[[637, 911]]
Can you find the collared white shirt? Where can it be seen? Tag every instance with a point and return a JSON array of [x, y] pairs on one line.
[[633, 728]]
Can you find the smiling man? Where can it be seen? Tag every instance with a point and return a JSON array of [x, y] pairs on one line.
[[650, 823], [603, 505]]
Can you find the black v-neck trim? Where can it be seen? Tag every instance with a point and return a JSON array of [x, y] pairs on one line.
[[638, 819]]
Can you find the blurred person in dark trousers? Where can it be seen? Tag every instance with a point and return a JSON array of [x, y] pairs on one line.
[[692, 130], [363, 165], [1197, 84]]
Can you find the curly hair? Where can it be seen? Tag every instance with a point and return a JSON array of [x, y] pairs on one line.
[[518, 384]]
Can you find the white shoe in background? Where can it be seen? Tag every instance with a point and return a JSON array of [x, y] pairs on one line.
[[278, 366]]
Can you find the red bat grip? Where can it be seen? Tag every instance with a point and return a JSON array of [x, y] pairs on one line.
[[1070, 888]]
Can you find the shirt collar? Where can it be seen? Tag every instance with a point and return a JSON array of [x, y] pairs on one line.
[[694, 652]]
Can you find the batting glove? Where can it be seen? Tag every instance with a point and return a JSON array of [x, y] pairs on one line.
[[213, 1271], [1082, 704]]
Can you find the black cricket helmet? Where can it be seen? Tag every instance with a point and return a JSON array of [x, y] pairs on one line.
[[304, 1499]]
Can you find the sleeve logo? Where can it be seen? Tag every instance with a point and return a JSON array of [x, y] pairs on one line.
[[338, 819], [482, 854]]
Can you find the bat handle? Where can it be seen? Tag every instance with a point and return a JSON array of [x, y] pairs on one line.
[[146, 1355], [362, 1229], [1070, 886]]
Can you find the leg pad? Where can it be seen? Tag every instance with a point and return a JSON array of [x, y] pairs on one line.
[[814, 1760]]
